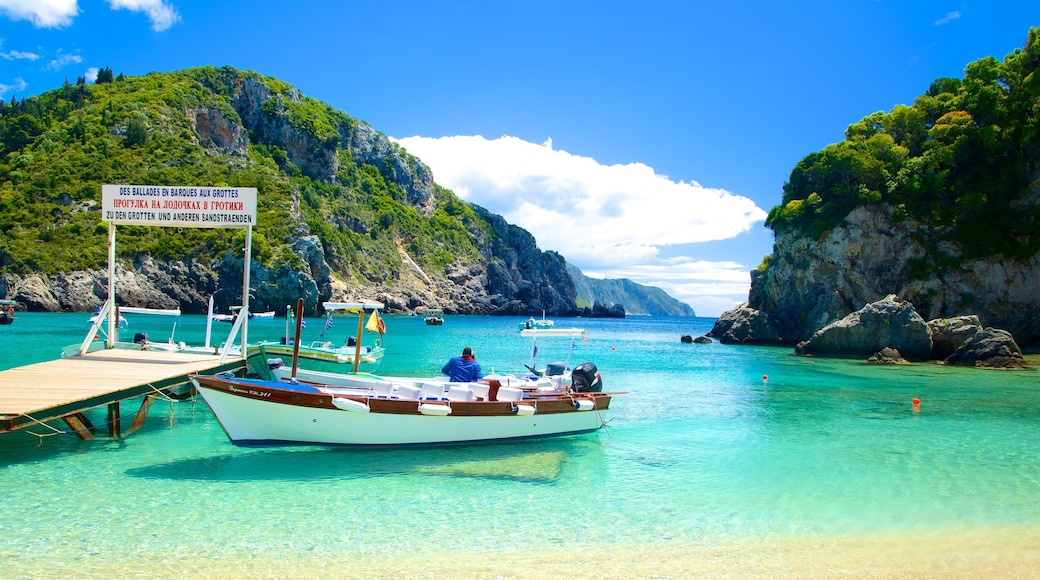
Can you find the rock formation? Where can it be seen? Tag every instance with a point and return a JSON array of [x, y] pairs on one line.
[[810, 283]]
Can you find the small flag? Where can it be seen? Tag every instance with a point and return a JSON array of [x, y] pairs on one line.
[[328, 323], [375, 324], [292, 316]]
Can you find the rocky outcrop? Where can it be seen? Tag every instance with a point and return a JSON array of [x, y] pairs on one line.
[[895, 332], [219, 132], [745, 325], [948, 334], [809, 283], [989, 347], [887, 356], [887, 323]]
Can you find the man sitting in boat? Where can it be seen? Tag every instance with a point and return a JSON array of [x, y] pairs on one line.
[[463, 369]]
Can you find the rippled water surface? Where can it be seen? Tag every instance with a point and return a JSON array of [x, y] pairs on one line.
[[709, 444]]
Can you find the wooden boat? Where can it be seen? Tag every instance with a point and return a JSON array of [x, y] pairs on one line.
[[375, 411], [434, 317], [324, 355], [7, 311]]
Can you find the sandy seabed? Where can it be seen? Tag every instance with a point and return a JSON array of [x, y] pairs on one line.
[[1007, 552]]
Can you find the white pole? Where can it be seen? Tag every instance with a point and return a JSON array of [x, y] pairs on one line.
[[245, 286], [113, 324], [209, 320]]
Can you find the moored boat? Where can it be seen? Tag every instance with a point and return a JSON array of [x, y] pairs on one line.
[[377, 412], [7, 311], [324, 355], [434, 317], [533, 322]]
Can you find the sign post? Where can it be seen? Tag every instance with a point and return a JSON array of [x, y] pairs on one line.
[[177, 206]]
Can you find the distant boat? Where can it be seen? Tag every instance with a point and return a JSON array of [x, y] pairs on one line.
[[93, 318], [434, 317], [7, 311], [535, 323], [323, 355]]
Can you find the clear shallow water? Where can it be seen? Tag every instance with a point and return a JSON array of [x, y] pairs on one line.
[[701, 450]]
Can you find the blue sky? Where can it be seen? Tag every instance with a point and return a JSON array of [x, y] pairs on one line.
[[640, 140]]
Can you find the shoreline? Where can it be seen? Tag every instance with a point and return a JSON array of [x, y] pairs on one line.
[[1004, 552]]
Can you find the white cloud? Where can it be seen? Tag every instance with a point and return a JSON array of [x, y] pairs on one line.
[[159, 12], [64, 59], [19, 85], [42, 13], [609, 220], [19, 55], [950, 17], [58, 13], [91, 74]]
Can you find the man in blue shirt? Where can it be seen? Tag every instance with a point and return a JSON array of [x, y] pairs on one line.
[[463, 369]]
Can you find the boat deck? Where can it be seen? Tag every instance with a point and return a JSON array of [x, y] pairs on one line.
[[67, 387]]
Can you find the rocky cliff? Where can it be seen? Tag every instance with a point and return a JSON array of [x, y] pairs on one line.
[[807, 283]]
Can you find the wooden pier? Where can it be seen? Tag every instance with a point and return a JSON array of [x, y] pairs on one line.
[[65, 388]]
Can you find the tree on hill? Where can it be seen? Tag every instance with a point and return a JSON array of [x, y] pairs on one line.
[[964, 157]]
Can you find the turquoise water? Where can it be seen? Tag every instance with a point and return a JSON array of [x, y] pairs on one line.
[[701, 450]]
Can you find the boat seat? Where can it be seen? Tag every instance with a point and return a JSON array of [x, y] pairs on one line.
[[408, 392], [433, 391], [460, 392], [382, 389], [480, 391], [510, 394]]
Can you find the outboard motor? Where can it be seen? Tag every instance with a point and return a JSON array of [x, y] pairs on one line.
[[141, 338], [555, 369], [585, 379]]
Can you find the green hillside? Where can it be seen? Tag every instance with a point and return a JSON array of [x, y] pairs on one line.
[[60, 147], [964, 157]]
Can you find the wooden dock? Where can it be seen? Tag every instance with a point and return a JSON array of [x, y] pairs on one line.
[[65, 388]]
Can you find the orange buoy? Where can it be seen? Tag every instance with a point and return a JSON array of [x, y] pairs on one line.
[[917, 405], [765, 377], [917, 401]]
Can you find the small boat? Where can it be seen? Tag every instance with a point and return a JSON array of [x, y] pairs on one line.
[[97, 311], [324, 355], [535, 323], [374, 411], [231, 316], [434, 317], [7, 311]]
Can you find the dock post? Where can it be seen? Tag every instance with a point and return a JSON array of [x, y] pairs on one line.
[[114, 428]]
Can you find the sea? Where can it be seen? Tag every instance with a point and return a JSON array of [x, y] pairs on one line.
[[717, 461]]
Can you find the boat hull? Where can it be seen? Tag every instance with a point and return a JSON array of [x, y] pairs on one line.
[[258, 413]]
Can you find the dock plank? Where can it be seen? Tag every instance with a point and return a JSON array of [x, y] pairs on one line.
[[52, 389]]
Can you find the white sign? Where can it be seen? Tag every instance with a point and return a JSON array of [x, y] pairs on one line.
[[179, 206]]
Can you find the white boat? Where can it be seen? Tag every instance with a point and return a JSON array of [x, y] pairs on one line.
[[94, 317], [141, 340], [533, 322], [434, 317], [373, 411], [325, 355]]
